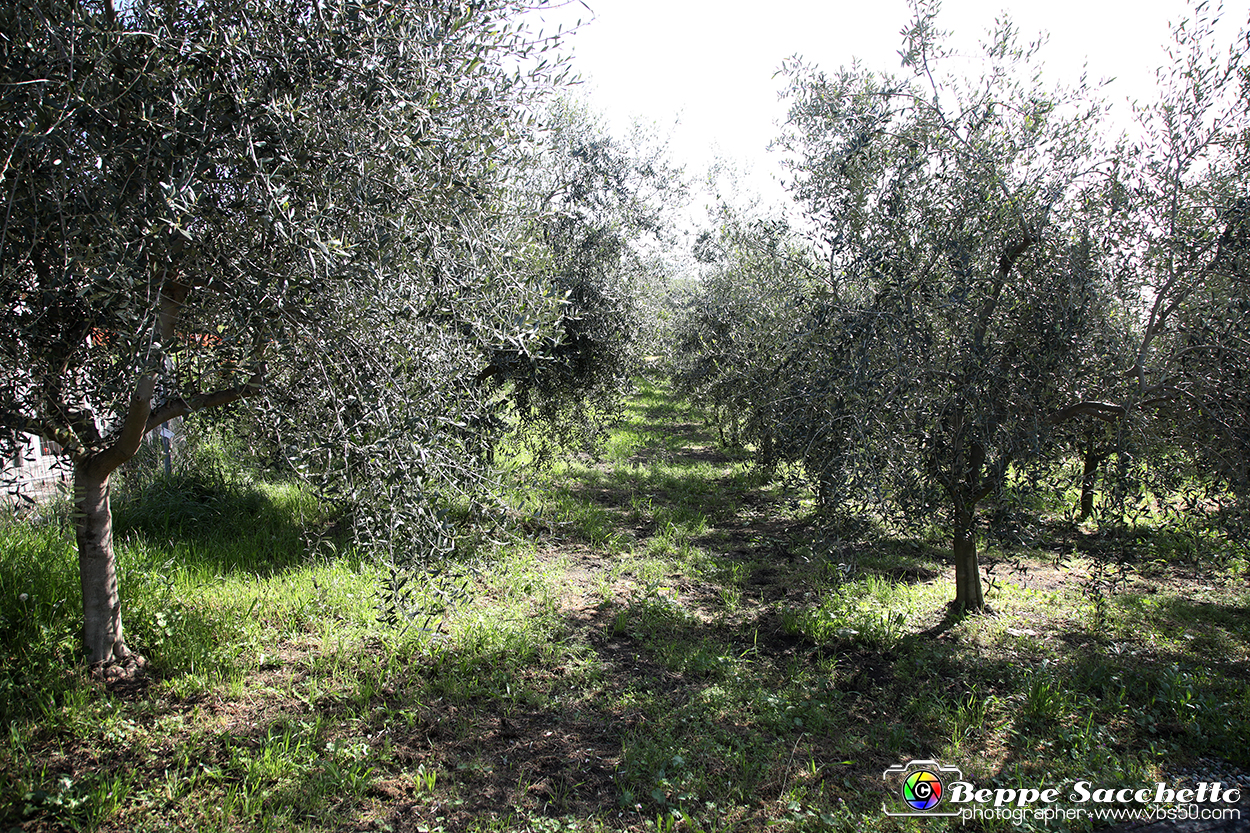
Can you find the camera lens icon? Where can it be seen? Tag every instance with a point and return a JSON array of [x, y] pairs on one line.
[[922, 790], [921, 784]]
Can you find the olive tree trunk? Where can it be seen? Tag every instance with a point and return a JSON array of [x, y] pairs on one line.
[[103, 637], [966, 492], [1089, 478], [102, 633], [97, 568], [968, 592]]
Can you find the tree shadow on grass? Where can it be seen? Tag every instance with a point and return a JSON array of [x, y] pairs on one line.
[[654, 708], [676, 713], [1207, 616], [227, 524]]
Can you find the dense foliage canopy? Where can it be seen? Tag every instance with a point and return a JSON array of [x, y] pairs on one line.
[[288, 202], [981, 286]]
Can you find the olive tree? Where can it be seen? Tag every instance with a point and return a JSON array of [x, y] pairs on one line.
[[1178, 225], [755, 276], [284, 202], [959, 287], [594, 209]]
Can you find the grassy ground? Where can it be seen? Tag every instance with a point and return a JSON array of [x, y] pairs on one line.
[[669, 643]]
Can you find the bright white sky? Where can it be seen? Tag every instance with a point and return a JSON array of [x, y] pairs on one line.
[[703, 70]]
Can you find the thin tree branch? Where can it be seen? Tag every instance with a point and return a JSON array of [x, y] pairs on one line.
[[185, 406], [1105, 411]]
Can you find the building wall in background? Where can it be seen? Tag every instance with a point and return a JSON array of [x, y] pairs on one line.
[[35, 469]]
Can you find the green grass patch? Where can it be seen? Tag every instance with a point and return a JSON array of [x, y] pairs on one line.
[[667, 640]]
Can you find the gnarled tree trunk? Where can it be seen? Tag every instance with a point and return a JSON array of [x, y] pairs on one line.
[[1089, 477], [967, 489], [968, 592], [97, 567]]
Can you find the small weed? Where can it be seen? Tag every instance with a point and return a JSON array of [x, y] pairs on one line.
[[426, 780]]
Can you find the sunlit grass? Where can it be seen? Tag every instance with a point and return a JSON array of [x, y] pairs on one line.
[[669, 641]]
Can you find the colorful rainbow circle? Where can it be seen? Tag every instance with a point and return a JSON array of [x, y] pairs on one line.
[[922, 790]]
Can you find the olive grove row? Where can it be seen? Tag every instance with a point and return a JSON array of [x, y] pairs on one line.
[[378, 226], [985, 285], [373, 222]]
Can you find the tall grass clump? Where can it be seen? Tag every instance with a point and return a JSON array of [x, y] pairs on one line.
[[40, 608], [209, 550], [191, 544]]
